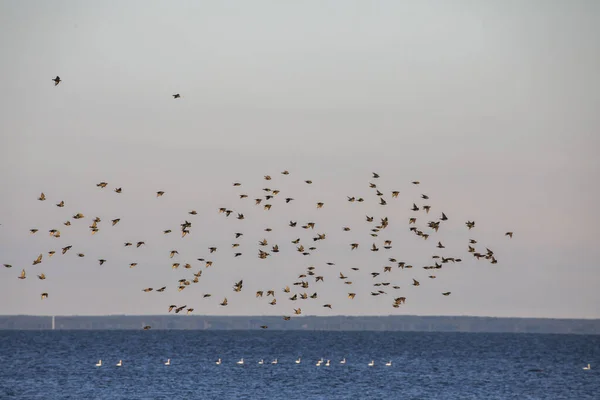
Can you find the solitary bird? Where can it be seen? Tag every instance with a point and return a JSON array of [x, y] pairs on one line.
[[176, 96], [56, 80]]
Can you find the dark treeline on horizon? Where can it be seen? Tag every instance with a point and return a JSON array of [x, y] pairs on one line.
[[332, 323]]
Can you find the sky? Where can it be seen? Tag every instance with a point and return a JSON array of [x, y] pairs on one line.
[[492, 106]]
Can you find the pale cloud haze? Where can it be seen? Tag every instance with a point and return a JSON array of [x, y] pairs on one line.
[[492, 105]]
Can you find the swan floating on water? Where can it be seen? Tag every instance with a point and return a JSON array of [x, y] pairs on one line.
[[319, 362], [343, 361], [327, 363], [120, 363], [274, 361], [371, 363], [99, 363], [261, 362], [588, 367], [298, 360], [241, 362], [168, 362], [388, 364], [218, 362]]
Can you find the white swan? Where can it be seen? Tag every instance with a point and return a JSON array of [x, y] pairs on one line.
[[343, 361], [319, 362], [241, 362], [371, 363], [327, 363], [218, 362], [261, 362], [298, 360], [99, 363], [588, 367], [274, 361], [168, 362], [120, 363], [388, 364]]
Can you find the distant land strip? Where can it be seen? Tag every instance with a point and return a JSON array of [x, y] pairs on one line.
[[404, 323]]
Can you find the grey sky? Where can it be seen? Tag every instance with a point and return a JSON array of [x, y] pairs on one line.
[[492, 105]]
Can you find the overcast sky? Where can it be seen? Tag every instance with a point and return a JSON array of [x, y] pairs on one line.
[[492, 106]]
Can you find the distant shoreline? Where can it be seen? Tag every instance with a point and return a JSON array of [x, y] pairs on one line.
[[393, 323]]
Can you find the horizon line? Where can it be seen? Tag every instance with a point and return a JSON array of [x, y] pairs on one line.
[[295, 317]]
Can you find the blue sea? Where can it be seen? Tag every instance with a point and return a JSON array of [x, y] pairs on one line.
[[61, 365]]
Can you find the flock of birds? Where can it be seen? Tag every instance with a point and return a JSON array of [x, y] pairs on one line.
[[267, 248], [319, 363]]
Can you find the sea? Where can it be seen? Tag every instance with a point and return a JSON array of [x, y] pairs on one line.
[[62, 365]]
